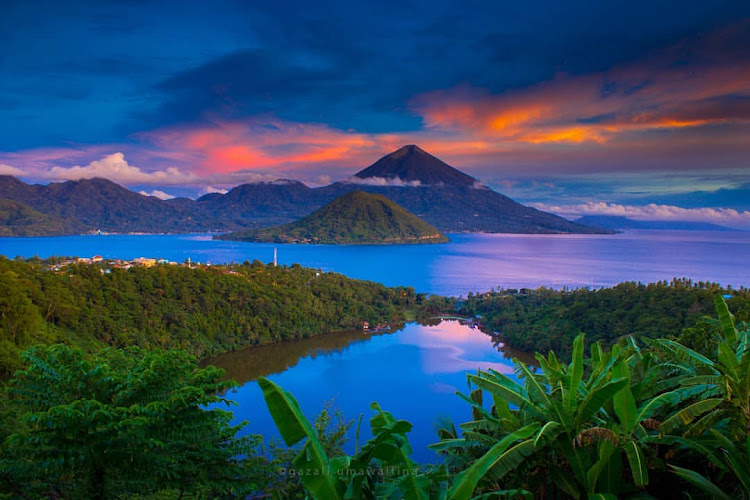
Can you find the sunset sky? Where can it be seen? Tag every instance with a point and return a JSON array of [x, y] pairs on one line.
[[633, 108]]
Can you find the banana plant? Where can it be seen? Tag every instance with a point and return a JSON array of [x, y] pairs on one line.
[[315, 470], [381, 469], [587, 429], [579, 425], [715, 425]]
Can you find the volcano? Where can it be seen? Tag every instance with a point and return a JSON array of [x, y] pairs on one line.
[[413, 165]]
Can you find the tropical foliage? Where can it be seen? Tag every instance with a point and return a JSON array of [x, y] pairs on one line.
[[121, 423], [716, 425], [545, 319], [204, 310], [611, 415], [632, 422], [331, 430], [382, 468]]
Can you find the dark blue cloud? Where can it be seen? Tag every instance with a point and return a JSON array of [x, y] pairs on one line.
[[737, 198], [93, 72]]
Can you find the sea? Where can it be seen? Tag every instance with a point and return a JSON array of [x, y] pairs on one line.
[[469, 263]]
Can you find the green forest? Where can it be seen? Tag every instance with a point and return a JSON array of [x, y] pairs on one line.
[[544, 319], [354, 218], [203, 310]]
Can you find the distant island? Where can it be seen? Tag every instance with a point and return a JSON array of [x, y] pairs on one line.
[[616, 223], [355, 218]]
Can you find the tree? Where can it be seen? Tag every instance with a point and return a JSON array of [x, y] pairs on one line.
[[628, 423], [121, 422]]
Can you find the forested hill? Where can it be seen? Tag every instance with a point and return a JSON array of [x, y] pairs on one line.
[[355, 218], [204, 310], [17, 219], [544, 319]]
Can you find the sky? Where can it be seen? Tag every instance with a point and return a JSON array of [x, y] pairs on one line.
[[638, 108]]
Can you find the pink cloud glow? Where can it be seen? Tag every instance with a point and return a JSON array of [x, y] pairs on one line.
[[263, 143], [646, 115]]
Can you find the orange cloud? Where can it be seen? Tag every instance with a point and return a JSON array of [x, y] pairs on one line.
[[646, 115], [228, 158], [595, 108], [574, 134], [263, 143]]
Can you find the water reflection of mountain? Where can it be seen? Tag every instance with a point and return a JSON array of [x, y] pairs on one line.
[[248, 364]]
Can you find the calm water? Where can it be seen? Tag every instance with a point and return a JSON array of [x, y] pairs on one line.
[[414, 372], [471, 262]]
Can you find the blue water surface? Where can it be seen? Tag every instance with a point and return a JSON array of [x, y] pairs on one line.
[[413, 373], [469, 263]]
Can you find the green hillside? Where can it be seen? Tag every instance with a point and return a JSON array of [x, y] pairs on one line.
[[203, 310], [17, 219], [353, 218]]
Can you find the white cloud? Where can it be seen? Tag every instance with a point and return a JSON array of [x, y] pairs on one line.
[[649, 212], [382, 181], [211, 189], [323, 180], [8, 170], [240, 177], [158, 194], [116, 168]]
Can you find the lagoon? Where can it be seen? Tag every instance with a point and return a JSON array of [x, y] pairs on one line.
[[414, 373]]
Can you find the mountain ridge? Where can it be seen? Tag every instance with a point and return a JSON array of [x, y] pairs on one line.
[[17, 219], [446, 198], [100, 204]]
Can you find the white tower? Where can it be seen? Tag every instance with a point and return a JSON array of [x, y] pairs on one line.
[[275, 261]]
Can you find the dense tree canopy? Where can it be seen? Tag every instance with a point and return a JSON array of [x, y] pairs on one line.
[[203, 310], [109, 410], [120, 423], [545, 319]]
